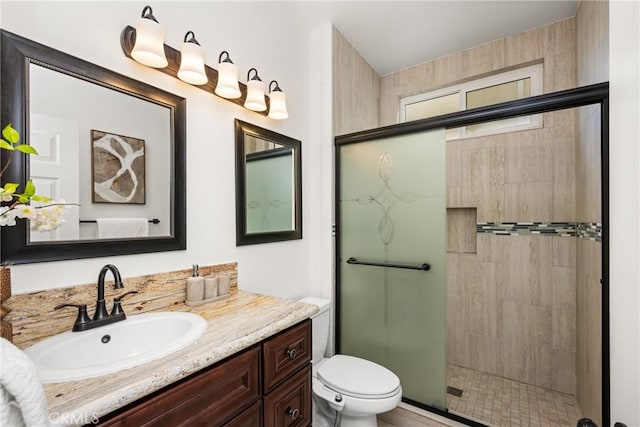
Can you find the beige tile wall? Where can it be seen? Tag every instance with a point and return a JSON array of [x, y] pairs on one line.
[[356, 89], [461, 230], [592, 66], [588, 329], [511, 309], [554, 44], [506, 177]]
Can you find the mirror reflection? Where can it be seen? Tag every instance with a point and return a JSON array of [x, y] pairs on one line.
[[268, 186], [104, 151], [111, 145]]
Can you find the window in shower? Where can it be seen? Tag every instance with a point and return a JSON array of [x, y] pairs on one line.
[[508, 86]]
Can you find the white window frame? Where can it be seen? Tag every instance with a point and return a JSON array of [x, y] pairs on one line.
[[533, 72]]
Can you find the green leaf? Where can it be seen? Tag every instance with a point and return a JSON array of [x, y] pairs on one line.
[[10, 134], [26, 148], [10, 188], [23, 199], [42, 199], [29, 189], [5, 145]]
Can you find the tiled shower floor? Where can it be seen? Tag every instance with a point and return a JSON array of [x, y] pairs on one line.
[[494, 401], [501, 402]]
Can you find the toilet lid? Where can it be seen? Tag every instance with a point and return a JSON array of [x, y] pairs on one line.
[[358, 377]]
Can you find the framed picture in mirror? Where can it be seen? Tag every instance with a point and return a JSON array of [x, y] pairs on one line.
[[117, 168]]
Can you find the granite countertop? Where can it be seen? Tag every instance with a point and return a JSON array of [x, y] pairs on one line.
[[235, 323]]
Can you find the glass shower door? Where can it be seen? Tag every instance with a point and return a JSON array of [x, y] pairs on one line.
[[392, 210]]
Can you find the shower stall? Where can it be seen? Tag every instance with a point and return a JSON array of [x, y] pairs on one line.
[[474, 314]]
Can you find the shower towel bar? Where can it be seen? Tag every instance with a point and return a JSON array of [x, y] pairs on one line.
[[86, 221], [421, 267]]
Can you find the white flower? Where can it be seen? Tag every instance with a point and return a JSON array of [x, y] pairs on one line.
[[25, 211], [7, 216], [49, 217], [6, 198], [42, 218]]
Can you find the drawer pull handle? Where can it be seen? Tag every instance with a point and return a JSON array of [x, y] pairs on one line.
[[293, 413], [292, 353]]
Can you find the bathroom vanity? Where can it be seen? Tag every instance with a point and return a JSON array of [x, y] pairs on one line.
[[250, 368], [235, 392]]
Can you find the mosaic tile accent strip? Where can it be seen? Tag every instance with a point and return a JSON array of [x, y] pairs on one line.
[[585, 230], [567, 229], [590, 230]]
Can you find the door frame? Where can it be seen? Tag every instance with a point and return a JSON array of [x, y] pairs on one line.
[[571, 98]]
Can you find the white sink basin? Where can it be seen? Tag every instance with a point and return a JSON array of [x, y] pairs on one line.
[[138, 339]]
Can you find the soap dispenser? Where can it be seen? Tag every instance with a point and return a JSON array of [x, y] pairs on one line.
[[195, 286]]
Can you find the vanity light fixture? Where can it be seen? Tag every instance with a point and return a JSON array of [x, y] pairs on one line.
[[255, 92], [278, 102], [192, 61], [149, 45], [145, 44], [227, 86]]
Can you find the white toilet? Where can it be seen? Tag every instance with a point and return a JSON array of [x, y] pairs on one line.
[[356, 389]]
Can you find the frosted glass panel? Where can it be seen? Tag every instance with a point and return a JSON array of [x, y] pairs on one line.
[[270, 190], [392, 210], [433, 107]]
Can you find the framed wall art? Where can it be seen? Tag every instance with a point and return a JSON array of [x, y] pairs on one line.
[[117, 168]]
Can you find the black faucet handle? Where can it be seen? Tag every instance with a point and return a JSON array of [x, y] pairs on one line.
[[83, 317], [117, 305], [118, 299]]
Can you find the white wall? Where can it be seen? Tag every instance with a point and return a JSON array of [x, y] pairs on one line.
[[624, 69], [257, 35]]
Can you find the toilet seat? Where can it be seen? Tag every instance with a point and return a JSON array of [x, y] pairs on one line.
[[359, 378]]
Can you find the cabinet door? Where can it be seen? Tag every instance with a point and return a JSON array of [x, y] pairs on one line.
[[285, 353], [251, 417], [289, 405], [210, 398]]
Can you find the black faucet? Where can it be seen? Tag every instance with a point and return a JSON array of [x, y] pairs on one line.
[[101, 316], [101, 308]]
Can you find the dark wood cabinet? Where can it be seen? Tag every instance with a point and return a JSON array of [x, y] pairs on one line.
[[268, 384], [251, 417], [285, 353], [287, 377], [208, 398], [289, 405]]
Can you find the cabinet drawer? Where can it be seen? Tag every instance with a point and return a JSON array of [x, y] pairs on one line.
[[209, 398], [286, 353], [289, 405], [251, 417]]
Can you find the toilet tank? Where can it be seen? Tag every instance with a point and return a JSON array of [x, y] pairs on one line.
[[319, 326]]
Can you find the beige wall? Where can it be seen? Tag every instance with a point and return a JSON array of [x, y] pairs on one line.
[[553, 43], [511, 306], [356, 89], [510, 309], [592, 66]]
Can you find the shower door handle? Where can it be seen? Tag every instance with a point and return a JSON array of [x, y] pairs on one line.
[[421, 267]]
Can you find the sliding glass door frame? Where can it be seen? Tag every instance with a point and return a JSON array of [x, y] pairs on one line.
[[571, 98]]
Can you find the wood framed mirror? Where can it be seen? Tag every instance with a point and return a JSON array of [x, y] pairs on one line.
[[66, 107], [268, 186]]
